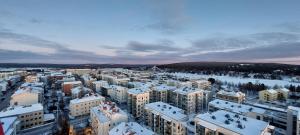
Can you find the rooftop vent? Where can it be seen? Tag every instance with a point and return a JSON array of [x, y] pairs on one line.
[[250, 109], [227, 122], [236, 116], [213, 117], [218, 102], [240, 126], [226, 102], [232, 105], [174, 112], [227, 115], [239, 106], [170, 107], [244, 118]]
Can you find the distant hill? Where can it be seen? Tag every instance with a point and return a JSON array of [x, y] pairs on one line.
[[44, 65]]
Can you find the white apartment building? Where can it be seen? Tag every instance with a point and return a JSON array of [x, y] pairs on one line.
[[29, 115], [227, 123], [163, 118], [106, 116], [117, 93], [293, 116], [137, 98], [97, 85], [79, 92], [27, 95], [130, 128], [82, 106], [31, 78], [192, 100]]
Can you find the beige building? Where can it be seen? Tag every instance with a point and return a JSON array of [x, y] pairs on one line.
[[27, 95], [201, 84], [97, 85], [272, 95], [29, 115], [165, 119], [82, 106], [192, 100], [232, 96], [227, 123], [31, 78], [137, 98], [106, 116]]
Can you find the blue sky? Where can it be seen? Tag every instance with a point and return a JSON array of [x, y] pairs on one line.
[[153, 31]]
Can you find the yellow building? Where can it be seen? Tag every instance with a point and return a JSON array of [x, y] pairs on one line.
[[268, 95]]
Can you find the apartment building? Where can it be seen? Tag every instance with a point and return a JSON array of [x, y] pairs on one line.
[[130, 128], [227, 123], [277, 117], [82, 106], [106, 116], [192, 100], [165, 119], [79, 92], [28, 115], [293, 116], [232, 96], [160, 93], [201, 84], [137, 98], [97, 85], [117, 93], [27, 95], [31, 78], [67, 86]]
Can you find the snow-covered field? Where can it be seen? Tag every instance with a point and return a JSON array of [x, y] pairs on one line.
[[237, 80]]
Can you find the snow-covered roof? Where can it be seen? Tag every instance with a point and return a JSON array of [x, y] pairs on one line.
[[139, 90], [231, 93], [17, 110], [78, 89], [6, 123], [74, 82], [164, 87], [235, 107], [296, 111], [110, 108], [237, 123], [49, 116], [187, 90], [130, 128], [87, 99], [100, 115], [166, 110], [272, 91]]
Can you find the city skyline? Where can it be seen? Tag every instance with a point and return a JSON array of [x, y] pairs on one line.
[[149, 32]]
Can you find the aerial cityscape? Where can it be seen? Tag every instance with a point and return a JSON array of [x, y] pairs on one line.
[[149, 67]]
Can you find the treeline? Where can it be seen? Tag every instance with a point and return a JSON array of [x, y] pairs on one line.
[[225, 67]]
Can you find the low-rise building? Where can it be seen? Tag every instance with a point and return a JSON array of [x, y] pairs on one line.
[[82, 106], [201, 84], [227, 123], [67, 86], [130, 128], [233, 96], [163, 118], [29, 115]]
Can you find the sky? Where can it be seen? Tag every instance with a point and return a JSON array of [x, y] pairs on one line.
[[149, 31]]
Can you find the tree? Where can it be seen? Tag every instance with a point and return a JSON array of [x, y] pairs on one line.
[[211, 80]]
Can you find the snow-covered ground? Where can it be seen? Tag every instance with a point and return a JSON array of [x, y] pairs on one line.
[[237, 80]]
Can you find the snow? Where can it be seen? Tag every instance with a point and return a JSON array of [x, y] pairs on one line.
[[75, 82], [6, 123], [250, 126], [187, 90], [237, 80], [17, 110], [87, 98], [49, 116], [235, 107], [139, 90], [101, 117], [169, 111], [130, 128], [164, 87], [231, 93], [272, 91]]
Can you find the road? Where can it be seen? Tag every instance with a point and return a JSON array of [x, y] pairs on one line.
[[5, 102]]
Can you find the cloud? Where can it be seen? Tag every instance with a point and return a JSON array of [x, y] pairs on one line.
[[169, 15], [35, 20], [144, 47]]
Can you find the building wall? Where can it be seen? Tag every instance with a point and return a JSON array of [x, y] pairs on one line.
[[26, 98], [83, 108]]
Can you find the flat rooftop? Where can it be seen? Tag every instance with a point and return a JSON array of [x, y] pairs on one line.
[[17, 110], [86, 99], [236, 123], [130, 128], [166, 110]]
